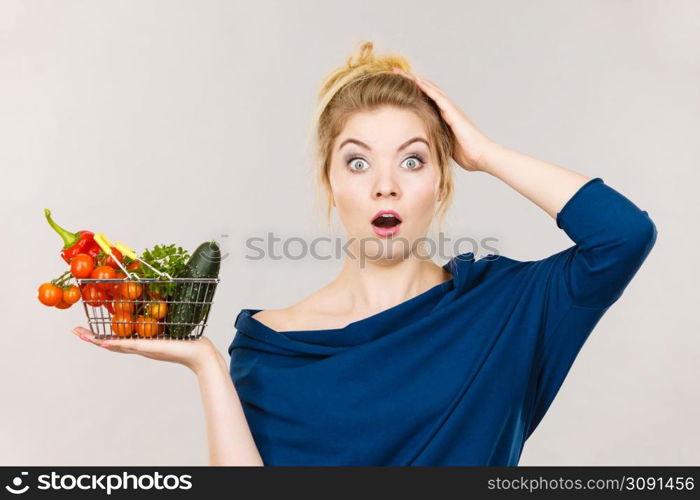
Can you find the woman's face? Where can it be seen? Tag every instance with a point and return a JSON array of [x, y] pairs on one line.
[[381, 161]]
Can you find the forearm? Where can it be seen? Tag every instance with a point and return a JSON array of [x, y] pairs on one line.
[[613, 236], [228, 434], [547, 185]]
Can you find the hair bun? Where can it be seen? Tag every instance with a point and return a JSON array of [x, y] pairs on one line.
[[361, 64], [364, 55]]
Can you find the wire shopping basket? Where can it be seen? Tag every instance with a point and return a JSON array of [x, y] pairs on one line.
[[175, 308], [145, 307]]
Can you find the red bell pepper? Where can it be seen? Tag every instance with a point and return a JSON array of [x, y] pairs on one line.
[[74, 243]]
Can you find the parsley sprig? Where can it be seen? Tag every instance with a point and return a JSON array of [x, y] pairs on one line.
[[171, 259]]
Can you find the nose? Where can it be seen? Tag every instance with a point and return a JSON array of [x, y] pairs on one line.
[[382, 193], [386, 186]]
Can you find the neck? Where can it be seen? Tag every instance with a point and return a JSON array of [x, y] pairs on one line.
[[377, 285]]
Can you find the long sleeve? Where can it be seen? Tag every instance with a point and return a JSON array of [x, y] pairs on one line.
[[613, 238]]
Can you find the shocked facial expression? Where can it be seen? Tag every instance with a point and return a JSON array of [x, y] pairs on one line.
[[384, 180]]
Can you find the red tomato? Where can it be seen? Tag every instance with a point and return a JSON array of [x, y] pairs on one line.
[[157, 310], [122, 325], [103, 273], [113, 291], [116, 254], [148, 327], [63, 305], [130, 290], [49, 294], [93, 296], [109, 306], [71, 294], [81, 265], [134, 265], [124, 307]]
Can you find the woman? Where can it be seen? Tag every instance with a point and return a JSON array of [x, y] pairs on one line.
[[399, 361]]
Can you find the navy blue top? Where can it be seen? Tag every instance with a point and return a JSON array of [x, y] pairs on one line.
[[461, 374]]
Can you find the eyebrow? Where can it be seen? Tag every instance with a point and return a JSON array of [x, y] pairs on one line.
[[360, 143]]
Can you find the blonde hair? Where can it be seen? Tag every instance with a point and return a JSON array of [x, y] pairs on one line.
[[364, 83]]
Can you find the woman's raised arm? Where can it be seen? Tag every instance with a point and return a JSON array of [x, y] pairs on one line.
[[613, 236], [547, 185]]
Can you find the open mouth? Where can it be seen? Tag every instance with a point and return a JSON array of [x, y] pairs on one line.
[[386, 220]]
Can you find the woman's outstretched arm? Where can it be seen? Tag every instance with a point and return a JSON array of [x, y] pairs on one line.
[[229, 437], [228, 434]]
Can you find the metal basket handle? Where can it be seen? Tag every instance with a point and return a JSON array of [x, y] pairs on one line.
[[106, 247]]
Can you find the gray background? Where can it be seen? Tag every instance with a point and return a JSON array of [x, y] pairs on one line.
[[180, 121]]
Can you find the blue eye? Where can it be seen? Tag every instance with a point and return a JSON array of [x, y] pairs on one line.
[[356, 169], [412, 166], [417, 165]]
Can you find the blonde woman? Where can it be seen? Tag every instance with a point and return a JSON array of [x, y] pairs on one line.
[[398, 360]]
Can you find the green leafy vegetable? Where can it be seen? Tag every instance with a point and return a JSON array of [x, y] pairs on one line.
[[170, 259]]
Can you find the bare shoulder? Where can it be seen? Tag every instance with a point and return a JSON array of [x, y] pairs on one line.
[[276, 319], [311, 313]]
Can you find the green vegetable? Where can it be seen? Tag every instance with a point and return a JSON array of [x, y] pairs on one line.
[[170, 259], [204, 263]]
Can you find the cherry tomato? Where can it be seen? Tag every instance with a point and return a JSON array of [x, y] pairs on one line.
[[116, 254], [134, 265], [63, 304], [102, 259], [103, 273], [93, 296], [130, 290], [123, 307], [113, 290], [109, 306], [49, 294], [157, 310], [71, 294], [81, 265], [122, 325], [148, 327]]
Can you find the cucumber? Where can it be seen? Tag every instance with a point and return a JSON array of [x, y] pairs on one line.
[[204, 263]]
